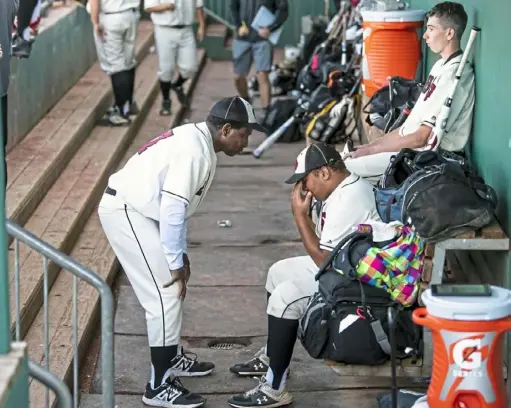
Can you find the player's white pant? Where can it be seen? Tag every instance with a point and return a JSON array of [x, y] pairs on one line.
[[175, 46], [116, 51], [370, 167], [135, 240], [291, 283]]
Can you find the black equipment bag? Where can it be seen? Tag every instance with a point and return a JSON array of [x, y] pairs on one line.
[[346, 320], [439, 197], [278, 113]]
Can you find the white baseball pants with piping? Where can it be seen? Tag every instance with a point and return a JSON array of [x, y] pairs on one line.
[[175, 46], [291, 283], [135, 240], [116, 51]]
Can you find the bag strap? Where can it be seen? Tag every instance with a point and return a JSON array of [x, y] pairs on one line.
[[376, 326]]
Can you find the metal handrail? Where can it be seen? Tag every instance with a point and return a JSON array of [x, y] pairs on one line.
[[51, 381], [79, 271], [218, 18]]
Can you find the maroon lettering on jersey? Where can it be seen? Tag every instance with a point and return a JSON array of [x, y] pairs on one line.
[[323, 218], [164, 135], [429, 87]]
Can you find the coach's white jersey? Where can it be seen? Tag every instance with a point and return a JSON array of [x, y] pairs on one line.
[[350, 204], [183, 14], [433, 96], [181, 162]]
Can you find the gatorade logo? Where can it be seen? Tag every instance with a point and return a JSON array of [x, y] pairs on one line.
[[468, 354]]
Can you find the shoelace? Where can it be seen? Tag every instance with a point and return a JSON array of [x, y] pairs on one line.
[[253, 391], [185, 355], [177, 385]]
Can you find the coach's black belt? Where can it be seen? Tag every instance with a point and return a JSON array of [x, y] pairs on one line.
[[180, 26], [111, 191]]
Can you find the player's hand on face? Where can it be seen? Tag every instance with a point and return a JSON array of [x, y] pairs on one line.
[[186, 263], [178, 276], [300, 204]]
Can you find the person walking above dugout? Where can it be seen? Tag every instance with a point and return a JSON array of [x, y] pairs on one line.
[[175, 44], [115, 32], [250, 45], [143, 213], [445, 26]]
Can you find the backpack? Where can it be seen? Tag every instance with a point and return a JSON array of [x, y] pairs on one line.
[[279, 111], [439, 200], [346, 320]]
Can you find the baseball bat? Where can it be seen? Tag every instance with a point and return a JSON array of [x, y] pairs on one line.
[[441, 121], [270, 140]]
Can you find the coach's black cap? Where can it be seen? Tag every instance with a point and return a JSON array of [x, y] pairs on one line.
[[313, 157], [238, 110]]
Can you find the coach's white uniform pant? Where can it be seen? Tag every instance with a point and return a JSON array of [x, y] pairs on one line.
[[116, 51], [291, 283], [135, 240], [370, 167], [175, 46]]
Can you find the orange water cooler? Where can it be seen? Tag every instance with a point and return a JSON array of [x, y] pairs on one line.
[[468, 324], [392, 46]]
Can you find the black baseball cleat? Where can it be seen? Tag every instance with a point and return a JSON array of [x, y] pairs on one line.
[[165, 107], [263, 395], [172, 394], [183, 100], [184, 366], [254, 367]]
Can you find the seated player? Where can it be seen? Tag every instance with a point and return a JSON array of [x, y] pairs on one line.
[[445, 27], [346, 201]]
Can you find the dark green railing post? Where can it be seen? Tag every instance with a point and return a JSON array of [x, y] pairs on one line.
[[5, 313]]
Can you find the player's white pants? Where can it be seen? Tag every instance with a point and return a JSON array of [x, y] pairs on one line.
[[175, 46], [116, 51], [291, 283], [371, 167], [135, 240]]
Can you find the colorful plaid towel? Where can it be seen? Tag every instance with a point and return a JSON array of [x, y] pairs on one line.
[[397, 267]]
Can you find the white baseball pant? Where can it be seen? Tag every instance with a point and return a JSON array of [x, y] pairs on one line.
[[135, 240], [371, 167], [116, 51], [175, 45], [291, 283]]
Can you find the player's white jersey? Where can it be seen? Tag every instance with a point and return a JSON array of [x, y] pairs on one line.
[[432, 98], [181, 162], [350, 204]]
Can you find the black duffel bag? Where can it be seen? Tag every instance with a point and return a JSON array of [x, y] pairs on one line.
[[346, 320]]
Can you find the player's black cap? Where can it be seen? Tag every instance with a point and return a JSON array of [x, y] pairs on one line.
[[313, 157], [238, 110]]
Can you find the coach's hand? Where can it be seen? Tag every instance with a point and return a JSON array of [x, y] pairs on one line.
[[179, 276], [186, 262], [300, 204]]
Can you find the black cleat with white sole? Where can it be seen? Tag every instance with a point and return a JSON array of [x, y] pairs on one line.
[[172, 394], [185, 364]]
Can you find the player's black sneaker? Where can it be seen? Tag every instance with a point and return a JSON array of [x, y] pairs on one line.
[[254, 367], [186, 365], [183, 100], [165, 107], [263, 395], [172, 394]]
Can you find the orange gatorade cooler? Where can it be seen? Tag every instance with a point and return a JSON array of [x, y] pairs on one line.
[[468, 324], [391, 47]]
